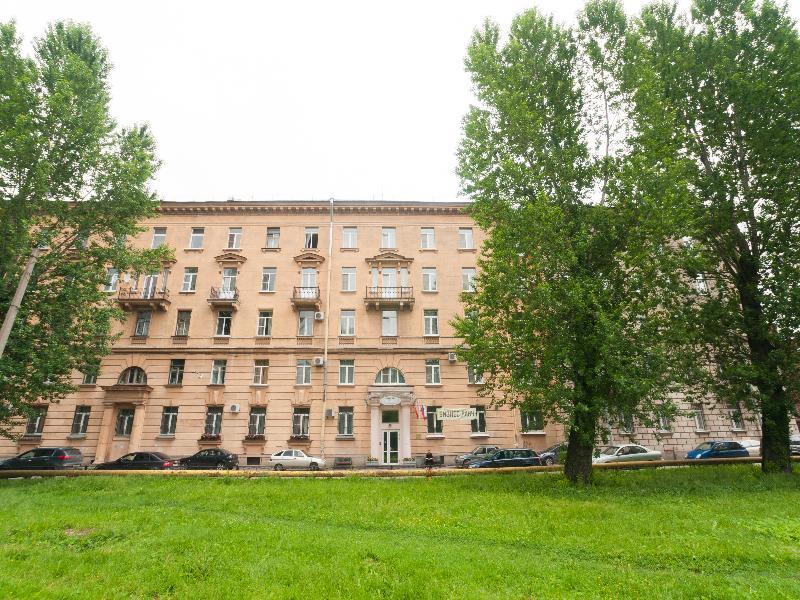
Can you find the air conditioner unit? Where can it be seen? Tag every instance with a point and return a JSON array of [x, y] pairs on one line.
[[235, 408], [451, 356], [318, 361], [328, 413], [319, 316]]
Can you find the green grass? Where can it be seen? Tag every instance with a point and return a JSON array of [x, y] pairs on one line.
[[701, 532]]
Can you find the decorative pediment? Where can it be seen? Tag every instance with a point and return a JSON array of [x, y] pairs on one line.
[[390, 259], [230, 259], [309, 259]]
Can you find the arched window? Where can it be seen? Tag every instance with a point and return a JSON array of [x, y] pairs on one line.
[[389, 376], [132, 376]]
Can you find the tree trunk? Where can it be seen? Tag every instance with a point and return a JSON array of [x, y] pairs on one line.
[[775, 455], [578, 464]]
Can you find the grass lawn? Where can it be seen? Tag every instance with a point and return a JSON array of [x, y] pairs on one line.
[[701, 532]]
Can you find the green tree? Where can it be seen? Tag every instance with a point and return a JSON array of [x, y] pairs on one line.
[[71, 179], [715, 104], [568, 314]]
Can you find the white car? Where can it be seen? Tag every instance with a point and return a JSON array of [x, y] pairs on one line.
[[753, 446], [295, 459], [625, 453]]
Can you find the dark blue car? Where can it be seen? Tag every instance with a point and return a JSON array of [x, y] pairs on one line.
[[725, 449], [510, 457]]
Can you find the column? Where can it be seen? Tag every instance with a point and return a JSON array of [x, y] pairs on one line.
[[374, 441], [136, 430], [405, 431], [106, 429]]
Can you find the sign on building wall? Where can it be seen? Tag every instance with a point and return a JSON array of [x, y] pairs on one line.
[[456, 414]]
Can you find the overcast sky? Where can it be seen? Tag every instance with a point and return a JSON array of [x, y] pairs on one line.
[[293, 100]]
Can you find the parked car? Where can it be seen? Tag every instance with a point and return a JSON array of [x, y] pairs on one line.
[[213, 458], [794, 446], [45, 458], [625, 453], [753, 446], [509, 457], [295, 459], [139, 461], [553, 454], [718, 449], [478, 453]]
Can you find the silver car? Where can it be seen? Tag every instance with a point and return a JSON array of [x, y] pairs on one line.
[[625, 453], [295, 459], [479, 453]]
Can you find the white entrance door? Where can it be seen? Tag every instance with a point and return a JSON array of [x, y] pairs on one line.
[[391, 447], [389, 282]]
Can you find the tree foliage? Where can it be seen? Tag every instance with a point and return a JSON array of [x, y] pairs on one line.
[[70, 179]]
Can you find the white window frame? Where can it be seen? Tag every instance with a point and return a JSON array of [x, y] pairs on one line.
[[430, 318], [260, 372], [349, 237], [468, 279], [269, 275], [123, 424], [389, 323], [300, 421], [159, 237], [473, 377], [264, 324], [169, 417], [235, 238], [213, 421], [112, 279], [273, 237], [224, 323], [181, 331], [434, 425], [189, 279], [433, 372], [699, 417], [737, 418], [257, 421], [388, 237], [430, 279], [344, 424], [478, 425], [427, 238], [466, 239], [305, 323], [218, 370], [390, 376], [80, 420], [142, 326], [177, 368], [347, 323], [526, 420], [197, 233], [302, 375], [348, 279], [347, 371], [311, 238]]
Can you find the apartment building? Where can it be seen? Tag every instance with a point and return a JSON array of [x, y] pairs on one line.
[[316, 325]]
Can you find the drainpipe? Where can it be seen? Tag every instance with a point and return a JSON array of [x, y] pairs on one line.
[[327, 331]]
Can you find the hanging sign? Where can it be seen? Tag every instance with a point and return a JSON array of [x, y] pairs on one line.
[[456, 414]]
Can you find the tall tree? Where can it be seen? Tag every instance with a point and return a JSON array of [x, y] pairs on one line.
[[716, 112], [71, 180], [567, 317]]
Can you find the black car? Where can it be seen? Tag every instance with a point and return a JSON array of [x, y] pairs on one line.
[[509, 457], [213, 458], [138, 461], [45, 458], [554, 454]]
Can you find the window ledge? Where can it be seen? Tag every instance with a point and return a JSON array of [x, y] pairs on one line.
[[343, 436], [215, 385], [665, 432], [265, 249], [430, 291], [479, 435], [173, 385], [346, 385], [193, 249], [87, 385], [119, 438], [434, 385], [390, 248], [302, 385], [166, 436], [348, 291], [738, 430], [534, 432], [266, 291], [701, 431], [467, 249], [475, 384], [348, 249], [231, 249], [428, 249], [31, 437], [259, 385], [187, 292], [434, 436], [76, 436]]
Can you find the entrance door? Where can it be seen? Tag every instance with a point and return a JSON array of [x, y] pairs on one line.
[[149, 286], [389, 282], [391, 447]]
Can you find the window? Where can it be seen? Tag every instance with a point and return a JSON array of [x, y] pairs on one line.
[[176, 368], [388, 237], [465, 239], [234, 238], [389, 323], [427, 238], [532, 420], [432, 372], [700, 284], [213, 420], [258, 420], [626, 423], [434, 424], [189, 279], [80, 421], [303, 372], [312, 237], [132, 376], [264, 323], [479, 424], [218, 368], [429, 280], [196, 238], [229, 276], [345, 420], [664, 422], [390, 416], [347, 323], [268, 276], [474, 377], [35, 424], [90, 375], [699, 418], [169, 420], [348, 279], [182, 324], [305, 325], [300, 419], [260, 372], [159, 237], [737, 420], [112, 279], [467, 280], [224, 319], [124, 422], [431, 318], [273, 237], [349, 237], [347, 372], [389, 376]]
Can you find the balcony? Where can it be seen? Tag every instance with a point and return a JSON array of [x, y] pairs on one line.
[[222, 299], [378, 297], [143, 299], [306, 297]]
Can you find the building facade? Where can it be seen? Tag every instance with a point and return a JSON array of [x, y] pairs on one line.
[[322, 326]]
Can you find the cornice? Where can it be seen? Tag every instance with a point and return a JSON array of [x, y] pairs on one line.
[[342, 207]]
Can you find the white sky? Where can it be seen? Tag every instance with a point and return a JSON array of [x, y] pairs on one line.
[[294, 100]]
